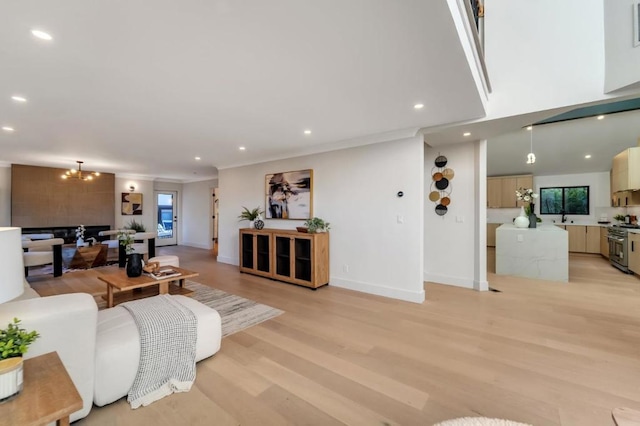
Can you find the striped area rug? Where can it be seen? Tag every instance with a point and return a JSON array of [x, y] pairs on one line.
[[237, 313]]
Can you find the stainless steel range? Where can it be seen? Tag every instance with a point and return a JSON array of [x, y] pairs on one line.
[[618, 238]]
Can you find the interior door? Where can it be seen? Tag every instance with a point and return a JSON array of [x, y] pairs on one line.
[[166, 218]]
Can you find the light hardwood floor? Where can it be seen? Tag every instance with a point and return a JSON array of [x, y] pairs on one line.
[[537, 352]]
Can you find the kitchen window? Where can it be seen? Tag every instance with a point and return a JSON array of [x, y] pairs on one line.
[[564, 199]]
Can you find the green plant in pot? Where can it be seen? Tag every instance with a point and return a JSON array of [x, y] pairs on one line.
[[619, 218], [14, 342], [316, 225], [250, 215], [136, 226]]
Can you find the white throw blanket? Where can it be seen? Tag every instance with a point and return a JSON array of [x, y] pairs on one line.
[[167, 349]]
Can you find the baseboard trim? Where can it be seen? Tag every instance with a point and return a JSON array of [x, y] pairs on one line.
[[448, 280], [379, 290], [228, 260], [481, 285], [196, 245]]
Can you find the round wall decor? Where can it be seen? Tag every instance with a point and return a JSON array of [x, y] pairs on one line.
[[441, 185], [441, 210], [258, 224], [441, 161]]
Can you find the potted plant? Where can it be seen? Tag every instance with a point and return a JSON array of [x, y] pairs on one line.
[[250, 215], [316, 225], [619, 218], [14, 342], [136, 226], [133, 260]]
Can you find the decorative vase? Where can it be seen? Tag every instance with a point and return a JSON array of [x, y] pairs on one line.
[[80, 242], [522, 221], [252, 225], [134, 265], [10, 378], [533, 219]]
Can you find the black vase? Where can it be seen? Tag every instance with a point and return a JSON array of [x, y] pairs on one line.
[[134, 265], [533, 220]]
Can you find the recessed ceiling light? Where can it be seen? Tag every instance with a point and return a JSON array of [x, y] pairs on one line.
[[197, 158], [600, 117], [418, 106], [242, 148], [529, 127], [466, 134], [41, 35], [8, 129], [587, 156], [307, 132], [19, 98]]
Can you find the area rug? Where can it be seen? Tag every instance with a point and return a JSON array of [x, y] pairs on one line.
[[479, 421], [237, 313]]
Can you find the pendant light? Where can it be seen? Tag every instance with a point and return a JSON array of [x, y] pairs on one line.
[[531, 157]]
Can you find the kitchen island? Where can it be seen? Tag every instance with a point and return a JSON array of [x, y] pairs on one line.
[[540, 253]]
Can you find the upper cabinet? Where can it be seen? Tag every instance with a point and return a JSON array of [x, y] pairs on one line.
[[501, 191], [625, 173]]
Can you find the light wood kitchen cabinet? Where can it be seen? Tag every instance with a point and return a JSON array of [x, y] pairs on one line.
[[583, 239], [592, 239], [494, 193], [508, 187], [625, 173], [284, 255], [491, 234], [634, 252], [501, 191], [577, 238], [604, 242]]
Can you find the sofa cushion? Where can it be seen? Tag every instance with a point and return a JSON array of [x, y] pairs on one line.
[[118, 347]]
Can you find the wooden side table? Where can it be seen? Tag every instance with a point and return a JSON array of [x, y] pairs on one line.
[[48, 395]]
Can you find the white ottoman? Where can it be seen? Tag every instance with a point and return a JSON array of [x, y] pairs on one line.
[[118, 347], [166, 260]]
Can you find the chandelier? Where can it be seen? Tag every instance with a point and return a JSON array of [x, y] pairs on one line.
[[77, 173]]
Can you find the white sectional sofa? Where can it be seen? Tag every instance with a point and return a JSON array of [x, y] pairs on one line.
[[100, 349]]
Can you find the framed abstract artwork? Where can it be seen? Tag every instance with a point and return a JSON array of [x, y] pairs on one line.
[[289, 195], [131, 203]]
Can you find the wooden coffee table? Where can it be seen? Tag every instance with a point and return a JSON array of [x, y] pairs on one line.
[[143, 286]]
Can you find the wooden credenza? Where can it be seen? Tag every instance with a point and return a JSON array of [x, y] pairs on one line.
[[285, 255]]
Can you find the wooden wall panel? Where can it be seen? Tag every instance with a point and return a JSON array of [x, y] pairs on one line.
[[41, 198]]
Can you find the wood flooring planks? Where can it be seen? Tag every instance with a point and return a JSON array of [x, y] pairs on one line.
[[538, 352]]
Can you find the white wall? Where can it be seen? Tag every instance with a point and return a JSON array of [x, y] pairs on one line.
[[599, 198], [196, 213], [622, 59], [355, 190], [450, 249], [148, 204], [543, 54], [5, 195]]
